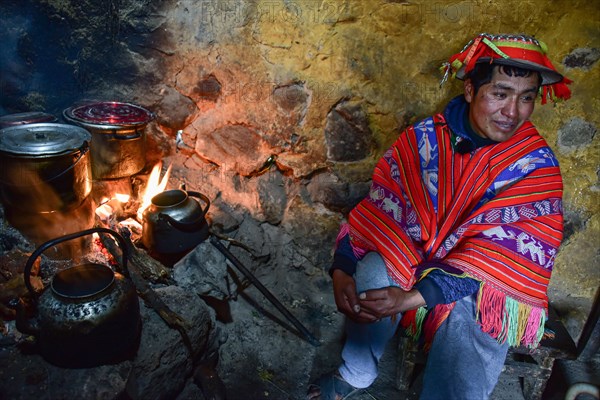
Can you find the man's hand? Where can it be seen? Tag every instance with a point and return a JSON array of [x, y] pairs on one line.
[[389, 301], [371, 305], [346, 298]]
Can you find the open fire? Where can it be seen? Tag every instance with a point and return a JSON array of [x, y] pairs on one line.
[[126, 210], [155, 185]]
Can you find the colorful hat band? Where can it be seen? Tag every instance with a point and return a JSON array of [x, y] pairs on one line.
[[518, 51]]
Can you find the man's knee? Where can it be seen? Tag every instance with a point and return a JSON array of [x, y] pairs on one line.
[[371, 273]]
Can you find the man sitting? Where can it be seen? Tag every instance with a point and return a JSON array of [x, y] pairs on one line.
[[458, 235]]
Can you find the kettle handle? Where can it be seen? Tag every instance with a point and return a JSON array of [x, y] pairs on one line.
[[189, 226], [38, 252], [204, 199]]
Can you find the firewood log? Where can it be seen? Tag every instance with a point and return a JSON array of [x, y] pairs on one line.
[[150, 268]]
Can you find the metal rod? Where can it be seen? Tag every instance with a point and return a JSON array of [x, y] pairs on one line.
[[237, 263]]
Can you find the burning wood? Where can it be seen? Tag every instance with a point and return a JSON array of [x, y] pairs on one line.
[[119, 208], [149, 268]]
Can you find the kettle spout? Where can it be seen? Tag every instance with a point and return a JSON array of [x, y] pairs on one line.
[[24, 324]]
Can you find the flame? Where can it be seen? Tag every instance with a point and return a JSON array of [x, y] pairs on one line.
[[109, 206], [123, 198], [104, 212], [154, 186], [118, 205]]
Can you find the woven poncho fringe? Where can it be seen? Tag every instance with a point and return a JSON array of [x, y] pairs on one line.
[[494, 214]]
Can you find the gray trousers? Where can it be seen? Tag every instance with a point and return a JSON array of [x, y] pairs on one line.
[[464, 363]]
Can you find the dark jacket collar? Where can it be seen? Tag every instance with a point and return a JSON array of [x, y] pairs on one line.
[[464, 138]]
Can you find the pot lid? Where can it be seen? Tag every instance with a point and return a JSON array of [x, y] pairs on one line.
[[110, 114], [29, 117], [82, 280], [42, 139]]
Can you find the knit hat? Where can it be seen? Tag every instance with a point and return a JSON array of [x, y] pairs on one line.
[[513, 50]]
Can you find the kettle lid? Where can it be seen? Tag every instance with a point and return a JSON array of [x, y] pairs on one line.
[[82, 280]]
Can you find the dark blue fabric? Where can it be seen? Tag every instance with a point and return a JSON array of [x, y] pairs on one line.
[[442, 285], [457, 117], [430, 290], [344, 257], [439, 287]]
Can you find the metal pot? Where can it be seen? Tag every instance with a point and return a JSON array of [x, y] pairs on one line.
[[118, 145], [45, 167], [88, 316], [175, 223]]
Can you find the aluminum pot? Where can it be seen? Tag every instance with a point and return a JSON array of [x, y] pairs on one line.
[[175, 223], [89, 315], [118, 147], [45, 167]]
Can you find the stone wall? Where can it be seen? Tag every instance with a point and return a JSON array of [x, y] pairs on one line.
[[279, 108]]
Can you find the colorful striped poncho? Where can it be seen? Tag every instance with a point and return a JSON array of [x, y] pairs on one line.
[[495, 214]]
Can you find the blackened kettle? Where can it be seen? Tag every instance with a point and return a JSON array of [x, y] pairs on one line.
[[88, 316], [175, 222]]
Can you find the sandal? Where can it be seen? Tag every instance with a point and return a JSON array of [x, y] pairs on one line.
[[330, 386]]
